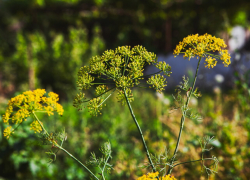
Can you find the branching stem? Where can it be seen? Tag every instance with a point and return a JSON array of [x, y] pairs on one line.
[[77, 160], [149, 75], [183, 120], [139, 129], [192, 161], [60, 147], [105, 166]]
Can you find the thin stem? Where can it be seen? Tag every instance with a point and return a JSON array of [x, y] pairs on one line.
[[192, 161], [104, 167], [16, 127], [102, 78], [76, 160], [40, 123], [126, 63], [139, 129], [60, 147], [213, 55], [149, 74], [142, 87], [183, 120], [107, 97], [108, 75], [100, 94], [102, 83]]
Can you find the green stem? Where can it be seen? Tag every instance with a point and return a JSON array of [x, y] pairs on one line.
[[102, 83], [139, 129], [149, 75], [104, 167], [142, 87], [183, 120], [102, 78], [192, 161], [106, 98], [58, 146], [213, 55], [16, 127], [76, 160], [40, 123], [100, 94], [126, 63]]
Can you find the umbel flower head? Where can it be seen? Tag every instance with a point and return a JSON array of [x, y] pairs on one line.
[[195, 45], [22, 106], [153, 176], [118, 70]]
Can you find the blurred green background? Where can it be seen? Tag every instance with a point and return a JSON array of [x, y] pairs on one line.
[[45, 42]]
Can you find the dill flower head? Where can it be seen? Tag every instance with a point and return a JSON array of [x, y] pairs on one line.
[[118, 70], [22, 106], [195, 45], [153, 176]]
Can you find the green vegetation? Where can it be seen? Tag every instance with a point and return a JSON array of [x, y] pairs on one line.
[[117, 131], [85, 133]]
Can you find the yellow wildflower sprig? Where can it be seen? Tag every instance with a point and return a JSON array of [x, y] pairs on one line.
[[154, 176], [7, 132], [165, 68], [201, 46], [157, 82], [95, 106], [195, 45], [122, 68], [28, 104], [22, 106], [101, 89]]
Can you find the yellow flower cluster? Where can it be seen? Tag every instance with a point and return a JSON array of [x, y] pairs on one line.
[[120, 69], [195, 45], [7, 132], [25, 104], [153, 176]]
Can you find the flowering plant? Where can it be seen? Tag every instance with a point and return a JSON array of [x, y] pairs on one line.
[[28, 104], [154, 176], [201, 46], [119, 71]]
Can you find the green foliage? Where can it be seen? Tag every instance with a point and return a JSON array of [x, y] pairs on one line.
[[154, 22], [90, 131], [50, 60], [51, 45], [204, 143], [102, 162], [161, 161], [240, 18], [242, 83]]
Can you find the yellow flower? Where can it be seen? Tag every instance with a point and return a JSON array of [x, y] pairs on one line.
[[211, 62], [49, 110], [7, 132], [225, 57], [153, 176], [36, 126], [27, 103], [195, 45], [59, 109]]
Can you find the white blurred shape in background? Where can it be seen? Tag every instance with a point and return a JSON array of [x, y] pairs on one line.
[[219, 78], [238, 38]]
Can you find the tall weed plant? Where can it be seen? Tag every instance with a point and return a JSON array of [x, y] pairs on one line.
[[117, 72]]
